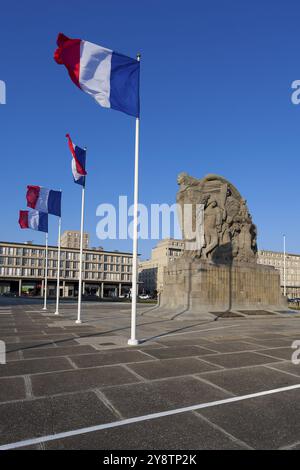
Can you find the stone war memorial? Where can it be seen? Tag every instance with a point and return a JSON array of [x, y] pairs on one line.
[[220, 274]]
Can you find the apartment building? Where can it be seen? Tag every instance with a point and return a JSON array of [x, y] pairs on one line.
[[71, 239], [151, 271], [22, 271], [292, 263]]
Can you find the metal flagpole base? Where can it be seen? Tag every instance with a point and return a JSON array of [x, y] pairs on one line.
[[133, 342], [44, 308], [78, 322], [56, 313]]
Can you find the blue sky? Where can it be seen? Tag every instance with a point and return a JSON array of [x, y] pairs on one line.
[[215, 98]]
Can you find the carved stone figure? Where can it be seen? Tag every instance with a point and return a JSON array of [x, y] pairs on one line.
[[229, 233], [213, 225]]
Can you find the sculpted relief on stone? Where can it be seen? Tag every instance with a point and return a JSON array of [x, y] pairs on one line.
[[229, 233]]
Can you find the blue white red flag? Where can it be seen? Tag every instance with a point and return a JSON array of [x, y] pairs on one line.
[[78, 162], [44, 200], [34, 219], [112, 79]]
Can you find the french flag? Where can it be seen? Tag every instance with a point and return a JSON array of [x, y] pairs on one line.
[[78, 162], [44, 200], [34, 219], [109, 77]]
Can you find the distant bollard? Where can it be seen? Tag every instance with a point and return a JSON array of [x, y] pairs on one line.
[[2, 352]]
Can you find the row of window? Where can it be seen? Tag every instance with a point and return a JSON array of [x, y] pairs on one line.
[[280, 263], [265, 256], [8, 261], [68, 274], [68, 255]]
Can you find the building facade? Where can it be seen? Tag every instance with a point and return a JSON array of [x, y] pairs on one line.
[[151, 271], [292, 269], [71, 239], [22, 271]]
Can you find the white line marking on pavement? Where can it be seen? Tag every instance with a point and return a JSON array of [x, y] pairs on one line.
[[138, 419]]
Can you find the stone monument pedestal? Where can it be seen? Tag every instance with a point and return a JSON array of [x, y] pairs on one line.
[[194, 287]]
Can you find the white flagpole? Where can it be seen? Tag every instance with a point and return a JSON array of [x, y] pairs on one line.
[[284, 267], [133, 341], [81, 254], [58, 269], [46, 274]]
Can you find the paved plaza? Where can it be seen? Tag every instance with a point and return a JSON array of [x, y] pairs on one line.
[[68, 386]]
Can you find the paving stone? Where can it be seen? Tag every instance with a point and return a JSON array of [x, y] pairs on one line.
[[98, 340], [33, 338], [29, 331], [52, 330], [292, 335], [148, 345], [171, 368], [234, 346], [12, 356], [288, 367], [29, 419], [84, 379], [267, 336], [67, 342], [280, 353], [240, 359], [10, 329], [34, 366], [268, 422], [7, 337], [180, 351], [28, 345], [60, 351], [82, 328], [49, 338], [184, 431], [10, 339], [185, 341], [151, 397], [269, 343], [12, 389], [102, 358], [249, 379]]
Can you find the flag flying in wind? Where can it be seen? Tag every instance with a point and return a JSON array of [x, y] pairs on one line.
[[34, 219], [111, 78], [44, 200], [78, 162]]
